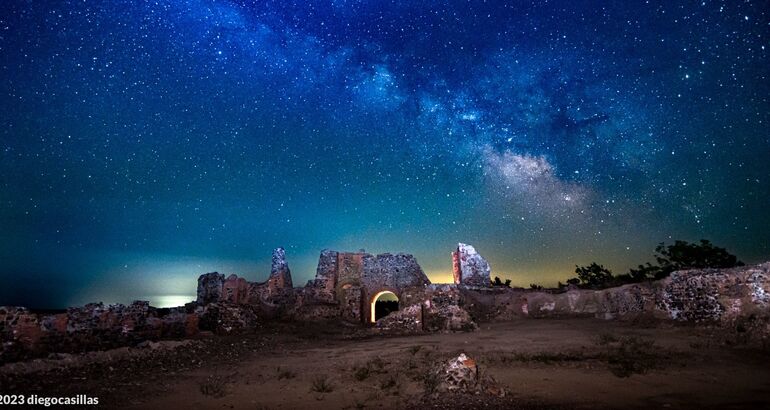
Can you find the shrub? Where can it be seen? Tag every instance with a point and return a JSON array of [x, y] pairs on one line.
[[430, 381], [632, 355], [321, 384], [361, 373], [213, 386], [606, 338], [285, 374], [376, 364], [389, 382]]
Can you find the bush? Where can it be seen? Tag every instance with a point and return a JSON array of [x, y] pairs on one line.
[[632, 355], [389, 383], [361, 373], [414, 349], [285, 374], [430, 381], [376, 364], [213, 386], [321, 384]]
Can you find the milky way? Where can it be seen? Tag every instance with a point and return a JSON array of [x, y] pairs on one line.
[[144, 143]]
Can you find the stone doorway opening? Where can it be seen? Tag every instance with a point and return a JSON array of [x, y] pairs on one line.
[[383, 303]]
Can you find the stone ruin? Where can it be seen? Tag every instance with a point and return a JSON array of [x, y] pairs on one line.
[[468, 267], [347, 284], [345, 287]]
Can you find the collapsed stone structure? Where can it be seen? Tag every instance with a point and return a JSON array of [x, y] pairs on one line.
[[347, 285], [92, 327]]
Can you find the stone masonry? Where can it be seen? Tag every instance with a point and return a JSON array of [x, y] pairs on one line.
[[346, 283]]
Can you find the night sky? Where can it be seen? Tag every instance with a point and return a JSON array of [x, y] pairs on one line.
[[145, 143]]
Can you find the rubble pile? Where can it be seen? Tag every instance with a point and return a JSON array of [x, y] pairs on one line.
[[407, 320], [461, 374]]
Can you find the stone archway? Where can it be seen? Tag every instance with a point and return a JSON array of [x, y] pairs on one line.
[[389, 301]]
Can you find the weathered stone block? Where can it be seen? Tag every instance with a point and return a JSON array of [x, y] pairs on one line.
[[471, 269]]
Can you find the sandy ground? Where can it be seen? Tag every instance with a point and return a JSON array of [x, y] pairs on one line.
[[541, 363]]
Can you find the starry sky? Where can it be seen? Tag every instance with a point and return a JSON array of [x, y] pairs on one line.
[[144, 143]]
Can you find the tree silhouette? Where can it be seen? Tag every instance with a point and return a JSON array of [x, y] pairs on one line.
[[685, 255], [593, 275], [670, 258], [498, 282], [573, 281]]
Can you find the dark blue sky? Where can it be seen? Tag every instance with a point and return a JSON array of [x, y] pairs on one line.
[[144, 143]]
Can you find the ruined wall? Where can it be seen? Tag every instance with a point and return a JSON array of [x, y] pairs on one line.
[[435, 309], [349, 280], [345, 283], [341, 290], [270, 295], [91, 327], [733, 298], [343, 287]]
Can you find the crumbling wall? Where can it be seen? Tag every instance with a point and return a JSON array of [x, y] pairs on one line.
[[210, 287], [721, 296], [738, 299], [348, 280], [432, 308], [276, 291], [392, 271], [91, 327], [226, 318]]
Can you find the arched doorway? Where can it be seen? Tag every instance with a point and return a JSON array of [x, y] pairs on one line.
[[383, 303]]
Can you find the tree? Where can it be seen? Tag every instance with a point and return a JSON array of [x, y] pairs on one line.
[[593, 275], [647, 271], [680, 255], [685, 255], [573, 281], [498, 282]]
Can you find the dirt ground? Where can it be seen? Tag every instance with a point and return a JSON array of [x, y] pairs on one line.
[[569, 363]]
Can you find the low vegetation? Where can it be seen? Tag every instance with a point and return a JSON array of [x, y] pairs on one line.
[[414, 349], [499, 283], [361, 373], [624, 356], [389, 382], [213, 386], [430, 381], [669, 258], [322, 384], [285, 374]]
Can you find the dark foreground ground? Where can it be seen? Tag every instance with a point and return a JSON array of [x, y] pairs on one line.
[[571, 363]]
